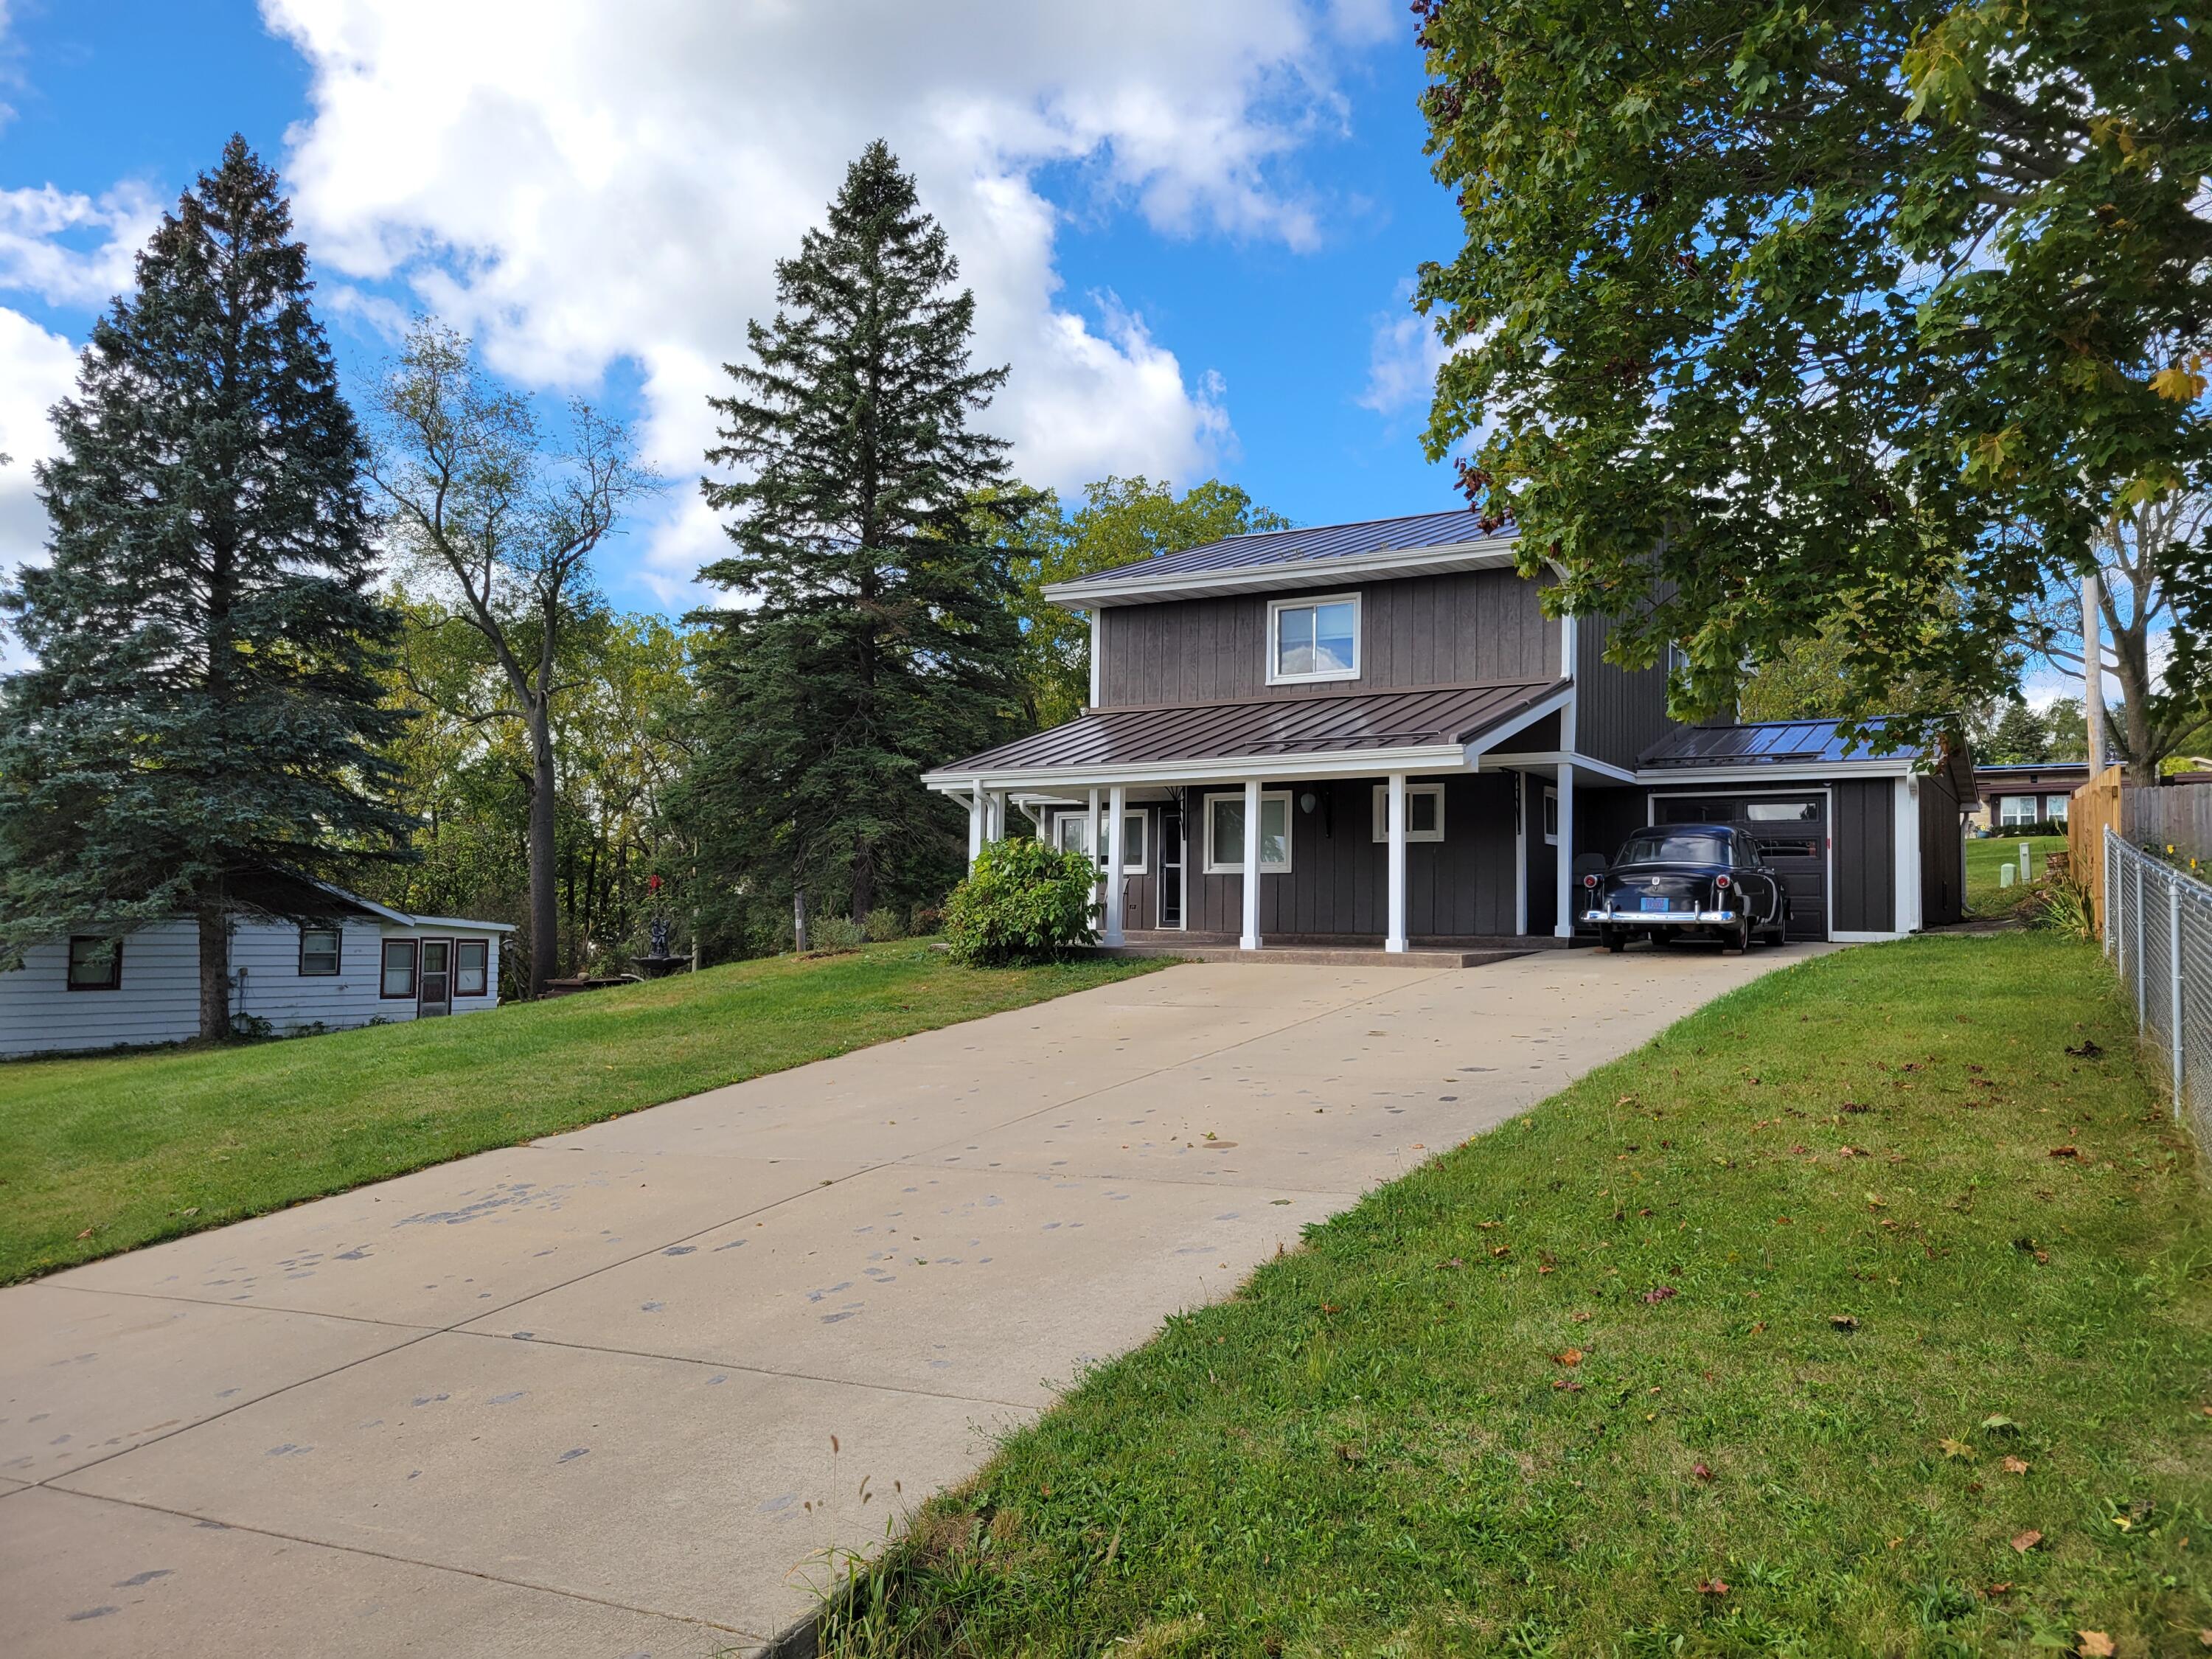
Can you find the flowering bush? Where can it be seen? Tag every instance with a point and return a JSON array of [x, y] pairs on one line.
[[1024, 902]]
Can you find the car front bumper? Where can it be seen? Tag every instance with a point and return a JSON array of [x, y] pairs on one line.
[[1661, 919]]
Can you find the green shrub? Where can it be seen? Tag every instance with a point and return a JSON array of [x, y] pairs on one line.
[[1023, 902], [883, 926], [834, 933]]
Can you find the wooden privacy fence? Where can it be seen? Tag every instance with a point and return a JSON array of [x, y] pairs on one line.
[[2179, 816], [2095, 808]]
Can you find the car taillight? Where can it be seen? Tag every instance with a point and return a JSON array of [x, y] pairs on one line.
[[1720, 881], [1590, 881]]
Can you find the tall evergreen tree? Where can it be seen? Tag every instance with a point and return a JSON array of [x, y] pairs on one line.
[[881, 639], [197, 733]]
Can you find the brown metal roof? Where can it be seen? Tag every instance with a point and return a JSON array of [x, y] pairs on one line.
[[1264, 730]]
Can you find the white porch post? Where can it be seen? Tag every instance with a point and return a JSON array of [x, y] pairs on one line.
[[974, 827], [1097, 848], [1250, 939], [1563, 926], [994, 824], [1394, 940], [1116, 816]]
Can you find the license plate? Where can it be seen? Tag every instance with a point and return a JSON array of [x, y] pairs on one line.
[[1650, 903]]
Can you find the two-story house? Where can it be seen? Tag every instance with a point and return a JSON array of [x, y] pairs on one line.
[[1370, 734]]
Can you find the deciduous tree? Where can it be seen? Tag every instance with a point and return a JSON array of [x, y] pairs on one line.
[[504, 525], [1770, 314]]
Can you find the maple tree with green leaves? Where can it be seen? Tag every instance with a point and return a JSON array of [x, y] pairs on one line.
[[1767, 315]]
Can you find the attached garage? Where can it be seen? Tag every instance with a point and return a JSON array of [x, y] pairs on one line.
[[1869, 846]]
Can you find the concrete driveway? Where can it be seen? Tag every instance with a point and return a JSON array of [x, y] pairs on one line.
[[623, 1392]]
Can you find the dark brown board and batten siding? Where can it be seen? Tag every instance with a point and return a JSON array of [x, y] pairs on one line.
[[1863, 824], [1455, 629], [1618, 713]]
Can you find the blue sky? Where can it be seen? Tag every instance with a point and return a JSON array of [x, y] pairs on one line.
[[1190, 229]]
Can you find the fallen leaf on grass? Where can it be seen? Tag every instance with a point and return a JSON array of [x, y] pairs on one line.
[[1660, 1293], [87, 1233], [2088, 1050], [2015, 1466], [2064, 1151], [2124, 1523], [1585, 1319], [1957, 1448], [1712, 1587], [1502, 1249], [2024, 1541], [1567, 1384], [1876, 1201], [1701, 1471], [1571, 1356], [1843, 1322], [2002, 1587], [1997, 1422], [2095, 1644]]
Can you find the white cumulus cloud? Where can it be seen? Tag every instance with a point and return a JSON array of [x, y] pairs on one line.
[[37, 370], [581, 185]]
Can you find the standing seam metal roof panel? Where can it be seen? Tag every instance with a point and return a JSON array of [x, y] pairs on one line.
[[1322, 542]]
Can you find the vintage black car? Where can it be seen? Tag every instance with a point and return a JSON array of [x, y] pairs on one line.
[[1701, 880]]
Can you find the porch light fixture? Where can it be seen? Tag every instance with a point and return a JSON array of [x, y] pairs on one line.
[[1306, 801]]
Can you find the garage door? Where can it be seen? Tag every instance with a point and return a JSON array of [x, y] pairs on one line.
[[1792, 832]]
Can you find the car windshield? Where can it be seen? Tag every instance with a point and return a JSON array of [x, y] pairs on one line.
[[1675, 847]]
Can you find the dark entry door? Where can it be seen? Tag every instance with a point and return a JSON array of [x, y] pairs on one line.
[[435, 993], [1792, 833], [1172, 864]]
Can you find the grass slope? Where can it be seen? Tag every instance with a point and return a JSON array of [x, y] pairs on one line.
[[101, 1155], [1552, 1392]]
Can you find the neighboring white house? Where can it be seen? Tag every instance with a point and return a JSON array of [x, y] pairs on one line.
[[365, 963]]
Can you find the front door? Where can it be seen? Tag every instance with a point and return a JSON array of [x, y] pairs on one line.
[[1171, 866], [434, 994]]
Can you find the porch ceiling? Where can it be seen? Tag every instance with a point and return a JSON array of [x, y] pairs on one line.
[[1431, 724]]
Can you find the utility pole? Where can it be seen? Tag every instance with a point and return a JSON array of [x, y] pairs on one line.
[[2092, 669]]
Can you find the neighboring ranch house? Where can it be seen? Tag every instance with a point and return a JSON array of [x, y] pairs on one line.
[[2025, 791], [361, 963], [1267, 701]]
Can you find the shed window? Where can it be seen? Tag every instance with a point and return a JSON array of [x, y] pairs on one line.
[[1225, 834], [319, 952], [471, 966], [95, 964], [1313, 640], [398, 979], [1424, 812]]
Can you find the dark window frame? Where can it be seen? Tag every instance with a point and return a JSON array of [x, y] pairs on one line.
[[114, 980], [337, 953], [461, 945], [414, 971]]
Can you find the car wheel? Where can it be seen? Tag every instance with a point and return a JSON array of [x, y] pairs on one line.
[[1736, 941]]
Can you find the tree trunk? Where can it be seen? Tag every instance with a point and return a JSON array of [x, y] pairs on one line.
[[544, 901], [214, 921], [864, 881]]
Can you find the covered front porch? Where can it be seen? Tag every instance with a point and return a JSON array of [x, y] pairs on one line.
[[1408, 824]]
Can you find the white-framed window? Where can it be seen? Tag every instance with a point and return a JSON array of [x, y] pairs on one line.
[[1424, 812], [1224, 834], [472, 968], [2055, 806], [1310, 640], [1551, 815], [319, 952], [1071, 833], [2016, 809]]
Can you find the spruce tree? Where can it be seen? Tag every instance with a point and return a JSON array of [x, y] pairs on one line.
[[879, 638], [197, 734]]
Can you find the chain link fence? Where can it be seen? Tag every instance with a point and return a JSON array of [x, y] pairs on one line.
[[2158, 933]]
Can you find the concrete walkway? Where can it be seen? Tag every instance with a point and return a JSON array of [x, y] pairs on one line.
[[623, 1392]]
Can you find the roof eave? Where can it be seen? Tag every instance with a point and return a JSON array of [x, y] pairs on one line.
[[1485, 553], [1225, 770]]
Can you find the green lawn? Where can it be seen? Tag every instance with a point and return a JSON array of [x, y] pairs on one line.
[[1984, 896], [101, 1155], [1800, 1331]]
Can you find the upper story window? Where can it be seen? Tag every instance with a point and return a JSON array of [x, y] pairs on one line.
[[1313, 640]]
